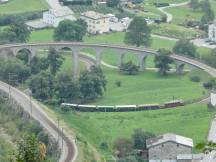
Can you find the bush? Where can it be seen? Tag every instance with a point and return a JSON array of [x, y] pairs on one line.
[[118, 83], [195, 78], [210, 84], [104, 146], [129, 68]]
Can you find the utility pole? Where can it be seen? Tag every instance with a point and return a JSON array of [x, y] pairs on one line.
[[62, 139], [30, 98]]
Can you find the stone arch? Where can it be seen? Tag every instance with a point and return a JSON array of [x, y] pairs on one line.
[[179, 67], [25, 51], [142, 61]]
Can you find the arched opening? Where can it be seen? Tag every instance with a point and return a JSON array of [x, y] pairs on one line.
[[24, 55], [131, 56]]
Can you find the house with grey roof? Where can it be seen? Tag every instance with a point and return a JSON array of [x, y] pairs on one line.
[[170, 148]]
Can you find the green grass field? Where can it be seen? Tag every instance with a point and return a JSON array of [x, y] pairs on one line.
[[19, 6], [191, 121], [148, 87], [183, 13]]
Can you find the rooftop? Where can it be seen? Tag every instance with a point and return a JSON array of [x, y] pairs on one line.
[[64, 11], [94, 15], [169, 137]]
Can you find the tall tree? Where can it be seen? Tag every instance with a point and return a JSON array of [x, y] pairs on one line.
[[69, 31], [185, 47], [138, 32], [54, 60], [163, 61], [92, 83], [66, 89], [139, 138], [41, 85], [17, 32], [194, 4]]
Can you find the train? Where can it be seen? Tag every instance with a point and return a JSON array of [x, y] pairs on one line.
[[120, 108]]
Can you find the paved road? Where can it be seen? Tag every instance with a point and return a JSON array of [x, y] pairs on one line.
[[69, 151], [169, 15]]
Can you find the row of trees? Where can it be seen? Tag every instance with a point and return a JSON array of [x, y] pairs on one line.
[[47, 83], [63, 88]]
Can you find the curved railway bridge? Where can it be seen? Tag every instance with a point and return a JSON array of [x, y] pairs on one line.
[[76, 48], [70, 151]]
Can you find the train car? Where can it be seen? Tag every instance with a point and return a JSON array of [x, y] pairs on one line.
[[123, 108], [68, 106], [148, 107], [173, 103], [87, 108], [106, 108]]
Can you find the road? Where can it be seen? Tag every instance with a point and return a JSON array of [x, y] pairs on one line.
[[169, 15], [69, 150]]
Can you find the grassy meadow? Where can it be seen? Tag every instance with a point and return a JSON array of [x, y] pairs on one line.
[[20, 6], [191, 121]]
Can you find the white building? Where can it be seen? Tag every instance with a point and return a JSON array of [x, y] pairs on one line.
[[3, 1], [54, 17], [212, 32], [213, 98], [97, 23]]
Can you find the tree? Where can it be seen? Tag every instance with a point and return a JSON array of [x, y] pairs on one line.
[[30, 150], [138, 33], [139, 138], [210, 58], [66, 89], [194, 4], [14, 72], [17, 32], [83, 25], [69, 31], [54, 61], [38, 64], [185, 47], [162, 61], [41, 85], [129, 68], [123, 147], [112, 3], [206, 147], [92, 83]]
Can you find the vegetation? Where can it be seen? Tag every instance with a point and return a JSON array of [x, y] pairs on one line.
[[17, 32], [185, 47], [190, 121], [19, 6], [129, 68], [70, 31], [163, 60], [15, 125], [138, 33]]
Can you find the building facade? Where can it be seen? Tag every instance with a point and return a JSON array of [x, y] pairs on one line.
[[212, 32], [97, 23], [170, 148], [54, 17]]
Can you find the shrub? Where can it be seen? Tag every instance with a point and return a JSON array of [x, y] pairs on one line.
[[195, 78], [104, 146], [118, 83]]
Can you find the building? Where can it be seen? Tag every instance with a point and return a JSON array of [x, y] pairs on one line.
[[54, 17], [212, 32], [213, 98], [3, 1], [170, 148], [97, 23]]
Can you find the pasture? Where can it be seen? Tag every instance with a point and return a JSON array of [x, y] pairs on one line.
[[20, 6]]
